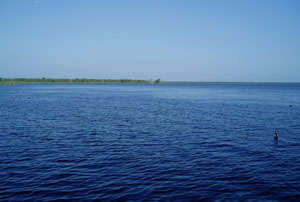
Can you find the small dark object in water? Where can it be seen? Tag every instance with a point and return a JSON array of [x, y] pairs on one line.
[[28, 97], [275, 136], [290, 105]]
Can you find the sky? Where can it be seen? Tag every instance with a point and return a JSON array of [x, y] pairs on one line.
[[174, 40]]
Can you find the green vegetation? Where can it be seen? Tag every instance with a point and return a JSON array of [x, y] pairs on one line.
[[12, 81], [157, 81]]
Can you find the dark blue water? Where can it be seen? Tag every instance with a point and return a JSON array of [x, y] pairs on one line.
[[149, 142]]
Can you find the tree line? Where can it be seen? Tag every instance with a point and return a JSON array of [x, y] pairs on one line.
[[11, 81]]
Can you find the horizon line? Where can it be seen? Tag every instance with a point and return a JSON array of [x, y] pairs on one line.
[[162, 81]]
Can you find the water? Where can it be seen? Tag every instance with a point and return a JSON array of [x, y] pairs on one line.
[[149, 142]]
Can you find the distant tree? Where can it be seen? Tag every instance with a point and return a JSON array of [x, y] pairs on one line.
[[157, 81]]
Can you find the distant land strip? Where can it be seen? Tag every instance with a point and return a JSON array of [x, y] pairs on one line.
[[12, 81]]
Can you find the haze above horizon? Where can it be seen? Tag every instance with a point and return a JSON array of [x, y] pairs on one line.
[[234, 41]]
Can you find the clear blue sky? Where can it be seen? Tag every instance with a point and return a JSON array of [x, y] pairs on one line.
[[183, 40]]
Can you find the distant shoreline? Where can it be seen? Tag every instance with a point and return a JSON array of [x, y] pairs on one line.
[[13, 81]]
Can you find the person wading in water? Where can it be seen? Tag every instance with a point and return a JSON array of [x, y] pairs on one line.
[[275, 136]]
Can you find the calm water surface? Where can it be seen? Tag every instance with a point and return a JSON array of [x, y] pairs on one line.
[[149, 142]]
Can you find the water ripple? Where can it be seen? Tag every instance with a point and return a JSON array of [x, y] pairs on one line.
[[149, 143]]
